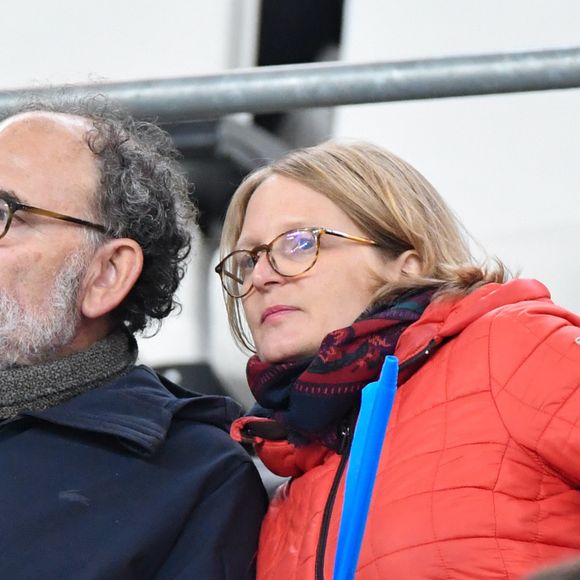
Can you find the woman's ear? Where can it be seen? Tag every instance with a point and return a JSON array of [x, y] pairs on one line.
[[409, 263], [114, 270]]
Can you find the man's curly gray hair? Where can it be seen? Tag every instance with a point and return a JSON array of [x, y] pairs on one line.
[[143, 195]]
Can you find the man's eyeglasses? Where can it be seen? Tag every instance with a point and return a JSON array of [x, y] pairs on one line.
[[290, 254], [9, 206]]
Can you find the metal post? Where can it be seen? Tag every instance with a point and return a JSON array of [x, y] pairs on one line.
[[281, 88]]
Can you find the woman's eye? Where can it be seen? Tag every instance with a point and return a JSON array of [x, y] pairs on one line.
[[247, 263]]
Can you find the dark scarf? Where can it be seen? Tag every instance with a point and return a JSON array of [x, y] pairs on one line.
[[37, 387], [311, 398]]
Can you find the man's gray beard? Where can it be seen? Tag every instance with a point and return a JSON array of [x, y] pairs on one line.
[[35, 335]]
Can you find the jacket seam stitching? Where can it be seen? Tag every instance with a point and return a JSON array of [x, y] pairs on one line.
[[493, 492], [532, 454], [440, 456], [541, 341]]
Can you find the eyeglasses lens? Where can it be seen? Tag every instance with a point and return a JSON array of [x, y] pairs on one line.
[[4, 215], [290, 254], [294, 252], [236, 272]]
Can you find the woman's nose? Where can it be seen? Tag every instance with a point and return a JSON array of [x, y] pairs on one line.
[[263, 274]]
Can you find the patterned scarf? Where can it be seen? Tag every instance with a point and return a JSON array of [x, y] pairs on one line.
[[311, 398]]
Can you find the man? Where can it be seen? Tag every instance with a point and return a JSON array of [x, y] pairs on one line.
[[107, 471]]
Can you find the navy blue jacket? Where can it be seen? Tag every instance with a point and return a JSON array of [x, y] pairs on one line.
[[134, 480]]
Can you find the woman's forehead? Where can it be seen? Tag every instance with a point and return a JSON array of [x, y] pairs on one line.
[[279, 204], [251, 239]]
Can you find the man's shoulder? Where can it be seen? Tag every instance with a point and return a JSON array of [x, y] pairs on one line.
[[142, 412], [129, 466], [213, 409]]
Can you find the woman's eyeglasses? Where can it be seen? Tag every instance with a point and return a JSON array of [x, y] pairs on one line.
[[9, 206], [290, 254]]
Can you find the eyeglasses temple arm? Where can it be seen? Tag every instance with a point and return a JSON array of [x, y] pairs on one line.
[[60, 216]]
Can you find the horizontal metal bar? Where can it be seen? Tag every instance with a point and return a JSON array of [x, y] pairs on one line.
[[281, 88]]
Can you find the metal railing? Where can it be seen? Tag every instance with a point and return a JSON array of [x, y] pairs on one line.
[[281, 88]]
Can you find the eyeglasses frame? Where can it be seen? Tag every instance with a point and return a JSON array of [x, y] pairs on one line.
[[267, 248], [14, 206]]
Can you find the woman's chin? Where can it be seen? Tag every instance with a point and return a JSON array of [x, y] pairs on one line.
[[277, 354]]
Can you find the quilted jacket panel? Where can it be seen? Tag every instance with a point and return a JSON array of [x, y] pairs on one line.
[[479, 475]]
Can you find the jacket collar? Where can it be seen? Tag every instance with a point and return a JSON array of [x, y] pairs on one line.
[[137, 410], [446, 318]]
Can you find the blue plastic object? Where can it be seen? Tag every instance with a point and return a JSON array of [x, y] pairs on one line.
[[369, 434]]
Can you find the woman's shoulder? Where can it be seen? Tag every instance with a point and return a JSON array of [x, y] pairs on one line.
[[519, 308], [526, 337], [534, 357], [529, 327]]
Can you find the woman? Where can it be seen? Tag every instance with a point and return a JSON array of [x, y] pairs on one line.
[[338, 255]]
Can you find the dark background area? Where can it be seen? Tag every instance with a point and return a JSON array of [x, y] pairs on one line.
[[218, 154]]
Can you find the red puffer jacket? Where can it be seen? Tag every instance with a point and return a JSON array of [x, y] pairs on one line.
[[480, 471]]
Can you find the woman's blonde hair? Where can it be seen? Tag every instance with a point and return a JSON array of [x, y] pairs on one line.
[[390, 201]]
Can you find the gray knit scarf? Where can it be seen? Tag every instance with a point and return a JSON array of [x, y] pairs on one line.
[[37, 387]]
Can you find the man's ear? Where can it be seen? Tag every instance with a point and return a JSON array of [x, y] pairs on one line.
[[115, 268]]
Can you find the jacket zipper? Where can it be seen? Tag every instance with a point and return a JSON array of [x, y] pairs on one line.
[[423, 353], [328, 508], [347, 436]]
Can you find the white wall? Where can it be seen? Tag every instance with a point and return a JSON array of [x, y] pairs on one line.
[[83, 40], [508, 164], [80, 41]]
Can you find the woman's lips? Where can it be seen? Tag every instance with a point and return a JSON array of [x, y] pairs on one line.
[[275, 311]]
